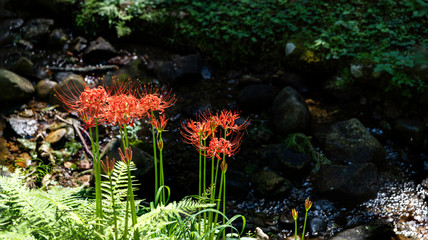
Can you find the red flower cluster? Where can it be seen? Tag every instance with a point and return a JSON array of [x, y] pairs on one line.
[[97, 105], [194, 132]]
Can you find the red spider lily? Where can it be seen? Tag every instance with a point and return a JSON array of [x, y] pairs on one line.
[[308, 204], [227, 119], [108, 167], [294, 213], [160, 124], [124, 109], [193, 132], [156, 100], [127, 157], [89, 103], [221, 146]]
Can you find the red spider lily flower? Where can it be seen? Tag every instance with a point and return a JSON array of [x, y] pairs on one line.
[[156, 100], [160, 124], [127, 157], [193, 132], [221, 146], [308, 204], [227, 119], [124, 109], [108, 167], [89, 103], [294, 213]]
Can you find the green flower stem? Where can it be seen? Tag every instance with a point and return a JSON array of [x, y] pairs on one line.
[[304, 225], [224, 203], [213, 192], [200, 183], [220, 195], [161, 173], [97, 176], [295, 229], [130, 195], [114, 207], [156, 161]]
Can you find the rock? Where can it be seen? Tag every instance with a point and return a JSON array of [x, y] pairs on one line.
[[23, 66], [261, 235], [248, 80], [350, 142], [377, 229], [269, 184], [290, 80], [70, 85], [238, 184], [78, 44], [84, 164], [317, 227], [12, 24], [289, 163], [181, 69], [44, 87], [289, 112], [56, 135], [256, 98], [410, 132], [57, 38], [36, 29], [347, 183], [289, 48], [84, 179], [69, 134], [24, 126], [14, 87], [143, 161], [98, 51], [8, 30], [357, 70]]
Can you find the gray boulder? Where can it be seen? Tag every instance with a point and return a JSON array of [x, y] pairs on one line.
[[410, 132], [269, 184], [290, 112], [14, 87], [44, 87], [99, 50], [376, 230], [347, 183], [350, 142], [37, 29], [183, 68]]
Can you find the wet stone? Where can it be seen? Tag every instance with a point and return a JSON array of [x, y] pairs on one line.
[[44, 87], [84, 179], [56, 135], [36, 29], [84, 164]]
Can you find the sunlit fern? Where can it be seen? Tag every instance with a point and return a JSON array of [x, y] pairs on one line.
[[41, 213]]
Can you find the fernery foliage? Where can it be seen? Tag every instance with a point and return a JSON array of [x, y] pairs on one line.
[[61, 213]]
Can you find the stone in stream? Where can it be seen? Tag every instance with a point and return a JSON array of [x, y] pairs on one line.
[[348, 184], [37, 29], [269, 184], [317, 227], [57, 38], [98, 51], [291, 164], [290, 112], [181, 69], [44, 87], [257, 97], [56, 136], [14, 87], [78, 44], [377, 229], [350, 142]]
